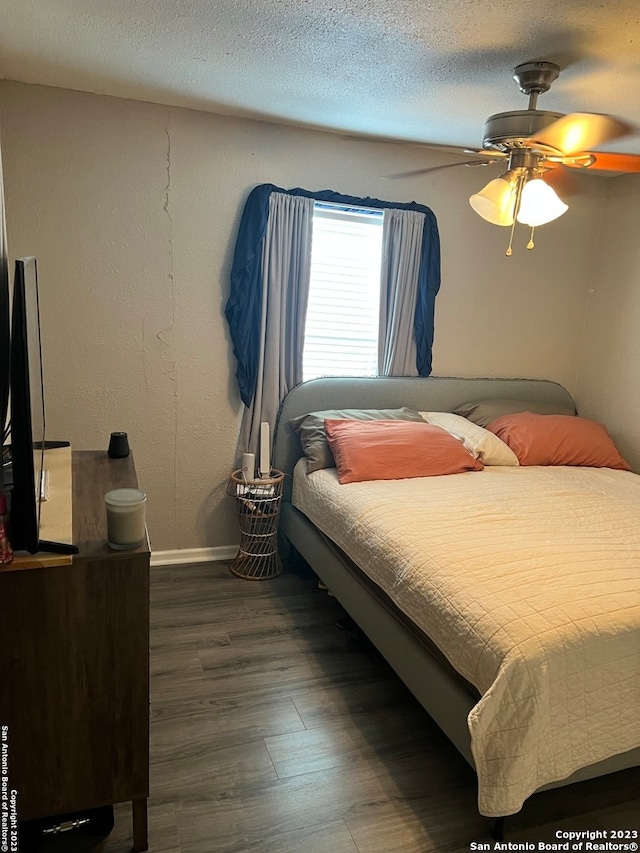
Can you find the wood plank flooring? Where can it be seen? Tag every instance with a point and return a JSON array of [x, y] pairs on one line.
[[273, 731]]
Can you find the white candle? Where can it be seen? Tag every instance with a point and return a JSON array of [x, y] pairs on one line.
[[125, 518], [248, 466], [265, 450]]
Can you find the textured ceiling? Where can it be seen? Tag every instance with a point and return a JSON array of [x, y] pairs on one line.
[[421, 70]]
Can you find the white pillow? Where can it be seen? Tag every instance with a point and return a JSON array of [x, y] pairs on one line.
[[481, 443]]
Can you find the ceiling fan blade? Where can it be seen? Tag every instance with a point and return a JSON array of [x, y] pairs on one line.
[[610, 162], [437, 168], [581, 131], [391, 140], [486, 153]]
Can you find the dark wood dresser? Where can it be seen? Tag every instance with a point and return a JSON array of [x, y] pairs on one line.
[[74, 664]]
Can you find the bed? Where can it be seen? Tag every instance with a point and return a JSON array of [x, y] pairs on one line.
[[560, 704]]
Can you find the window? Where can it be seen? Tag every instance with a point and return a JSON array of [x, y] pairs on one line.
[[341, 332]]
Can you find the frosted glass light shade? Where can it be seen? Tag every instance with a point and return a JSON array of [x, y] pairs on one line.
[[496, 201], [539, 204]]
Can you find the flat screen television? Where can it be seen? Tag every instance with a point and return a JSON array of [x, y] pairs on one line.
[[28, 414], [27, 408], [4, 325]]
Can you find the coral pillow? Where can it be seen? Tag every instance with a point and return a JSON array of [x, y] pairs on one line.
[[310, 430], [558, 440], [395, 450]]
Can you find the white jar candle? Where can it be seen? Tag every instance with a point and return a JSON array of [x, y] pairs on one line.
[[125, 518]]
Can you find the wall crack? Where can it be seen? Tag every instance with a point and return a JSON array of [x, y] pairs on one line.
[[166, 335]]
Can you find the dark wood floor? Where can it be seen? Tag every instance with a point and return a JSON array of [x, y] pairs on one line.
[[274, 731]]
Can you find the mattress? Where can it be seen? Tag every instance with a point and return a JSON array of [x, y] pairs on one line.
[[528, 581]]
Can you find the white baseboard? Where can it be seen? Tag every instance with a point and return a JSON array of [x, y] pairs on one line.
[[193, 555]]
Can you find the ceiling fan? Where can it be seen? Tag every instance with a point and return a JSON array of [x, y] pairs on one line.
[[534, 142]]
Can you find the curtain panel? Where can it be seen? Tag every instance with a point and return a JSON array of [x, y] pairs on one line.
[[244, 306], [286, 265], [401, 256]]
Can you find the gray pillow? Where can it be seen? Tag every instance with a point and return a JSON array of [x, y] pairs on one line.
[[310, 430], [482, 412]]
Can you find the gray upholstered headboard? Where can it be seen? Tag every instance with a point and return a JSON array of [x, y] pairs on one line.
[[435, 393]]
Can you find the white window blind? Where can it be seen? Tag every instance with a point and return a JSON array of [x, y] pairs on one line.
[[341, 332]]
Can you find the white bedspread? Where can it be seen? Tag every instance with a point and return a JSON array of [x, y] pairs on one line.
[[528, 580]]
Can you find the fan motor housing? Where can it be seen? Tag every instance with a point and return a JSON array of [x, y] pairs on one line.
[[505, 131]]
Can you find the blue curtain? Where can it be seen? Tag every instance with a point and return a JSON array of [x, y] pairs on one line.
[[244, 304]]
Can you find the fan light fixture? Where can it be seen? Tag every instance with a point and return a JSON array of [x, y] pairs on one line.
[[496, 202], [539, 204], [520, 195]]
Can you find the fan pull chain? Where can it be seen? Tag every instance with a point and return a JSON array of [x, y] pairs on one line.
[[531, 244], [516, 208], [509, 251]]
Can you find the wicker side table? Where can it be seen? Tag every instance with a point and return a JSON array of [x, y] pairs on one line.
[[258, 506]]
